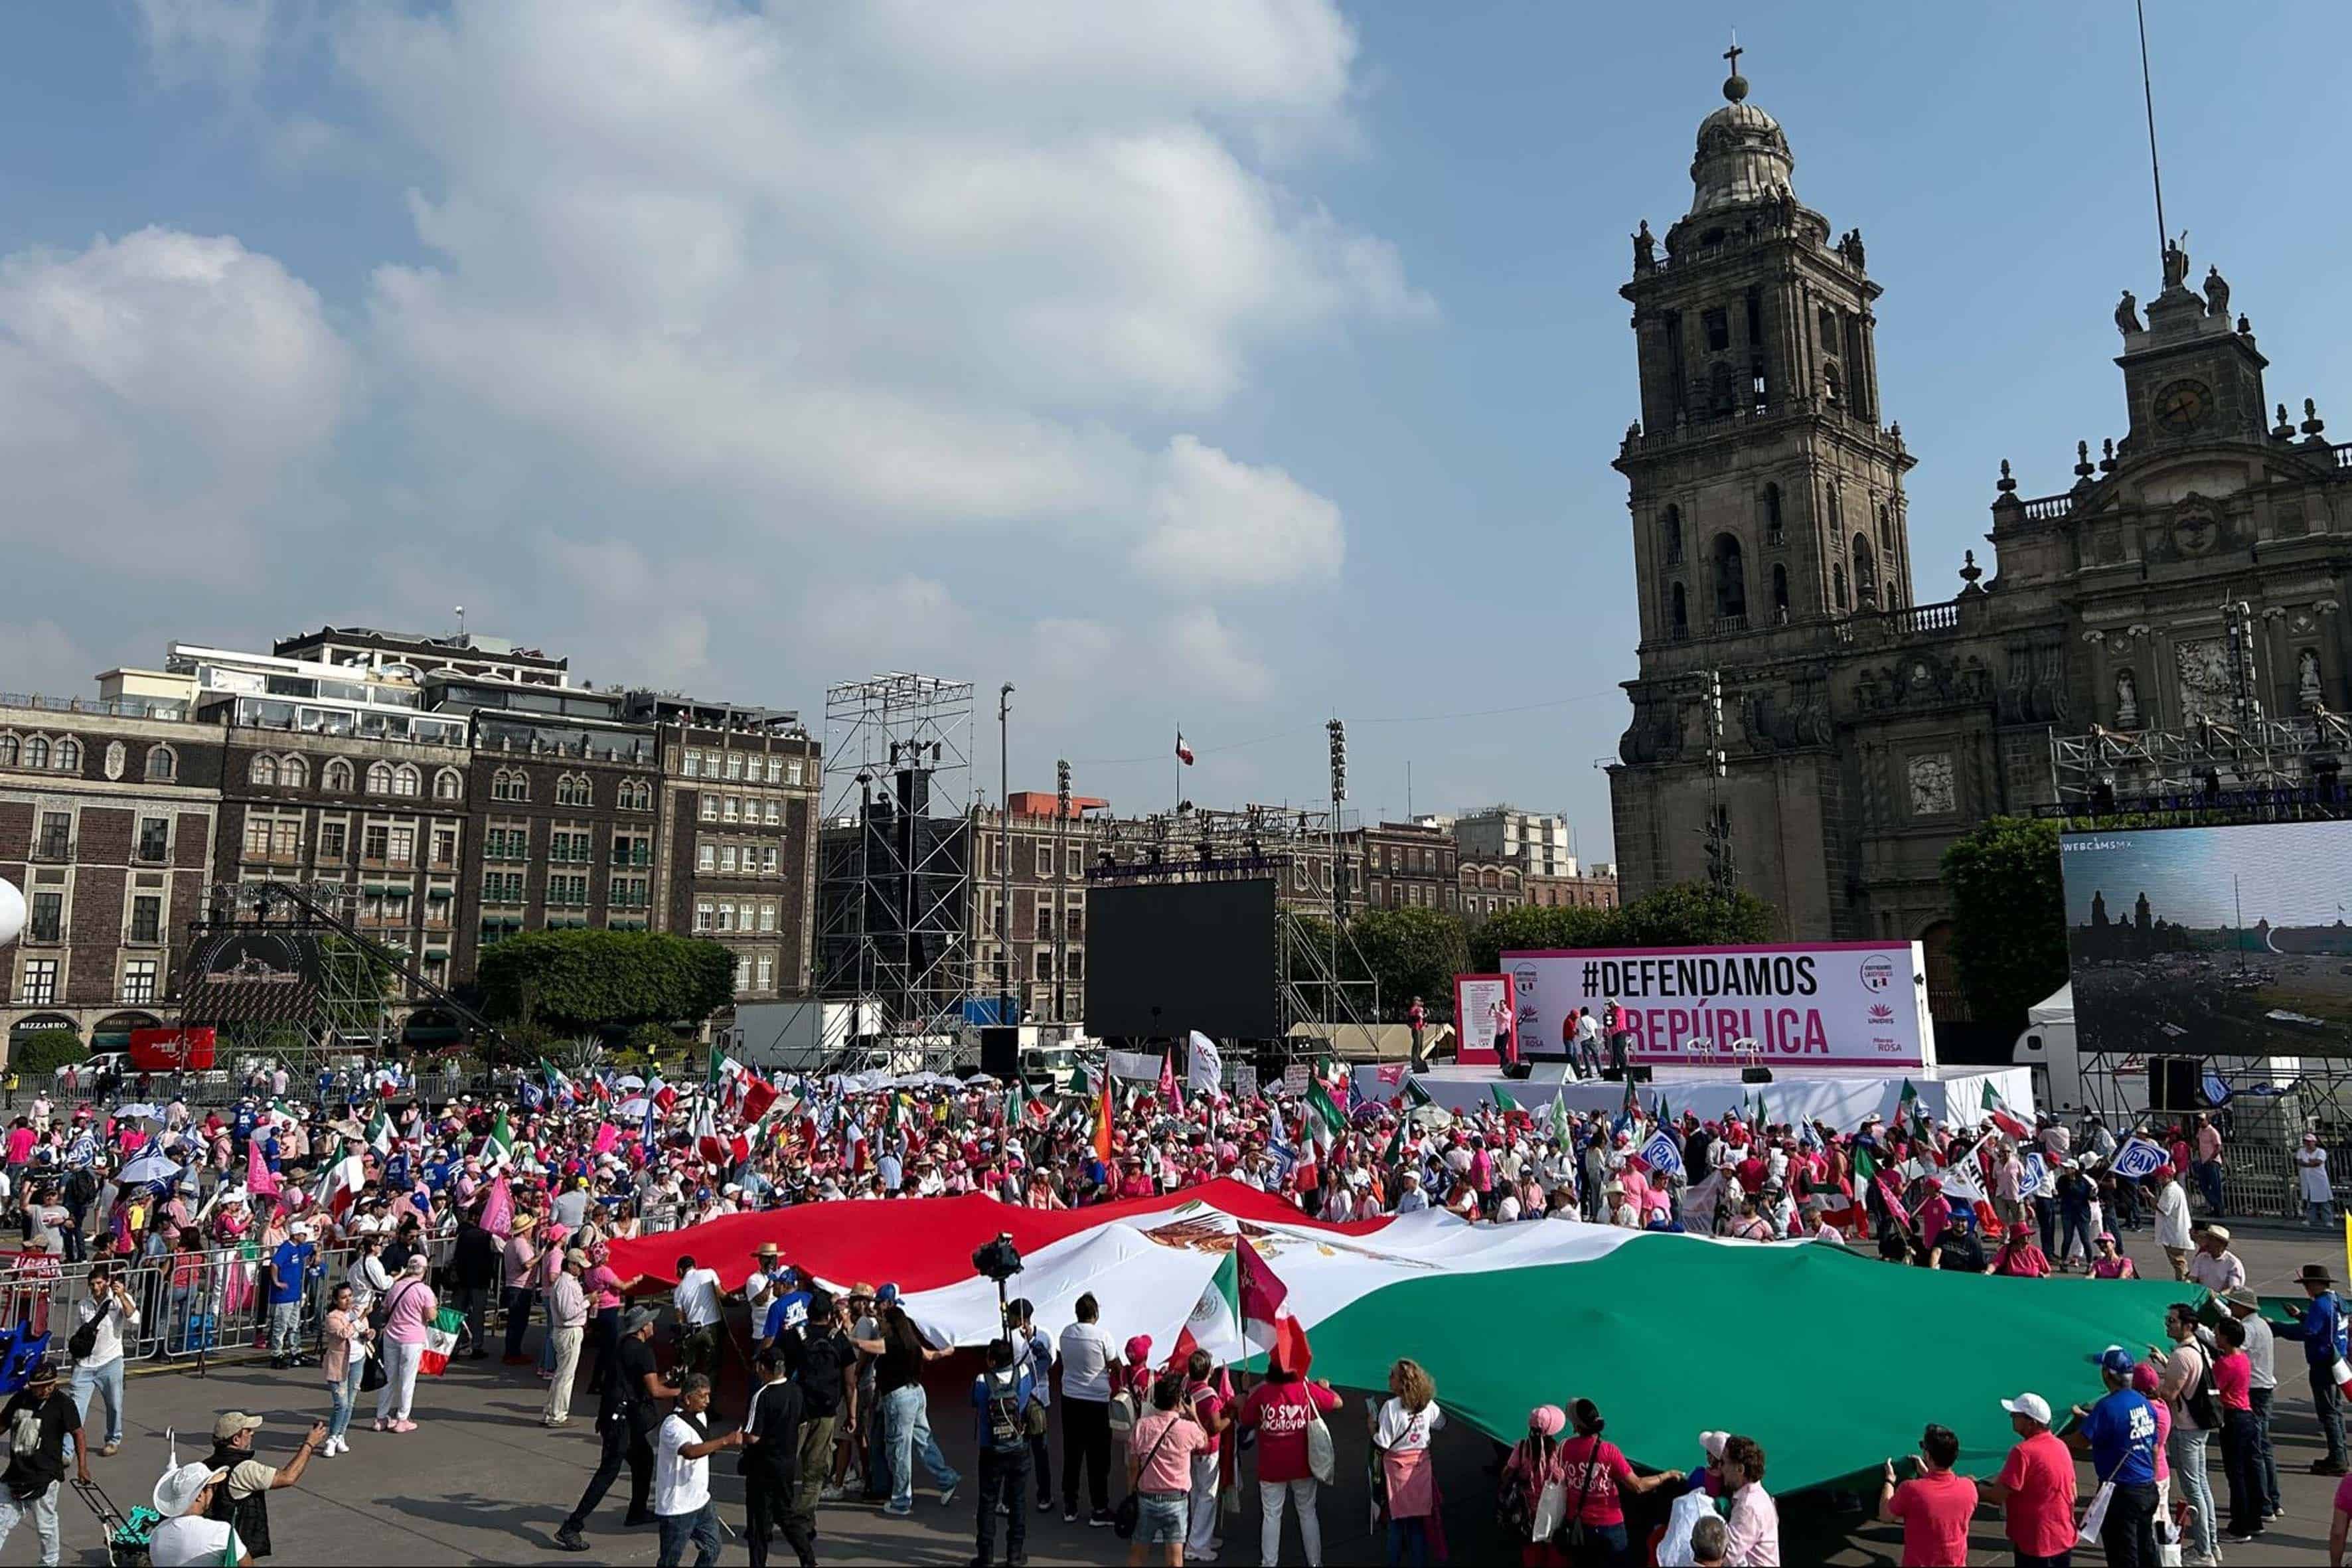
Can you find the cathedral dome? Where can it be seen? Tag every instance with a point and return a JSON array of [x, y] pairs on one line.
[[1743, 158]]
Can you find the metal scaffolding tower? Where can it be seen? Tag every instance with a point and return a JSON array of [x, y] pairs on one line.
[[896, 873]]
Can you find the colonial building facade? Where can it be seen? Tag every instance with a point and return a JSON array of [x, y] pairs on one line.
[[1863, 731]]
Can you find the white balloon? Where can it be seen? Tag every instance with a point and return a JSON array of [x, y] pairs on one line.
[[12, 914]]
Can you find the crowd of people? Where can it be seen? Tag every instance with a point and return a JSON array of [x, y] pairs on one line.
[[354, 1229]]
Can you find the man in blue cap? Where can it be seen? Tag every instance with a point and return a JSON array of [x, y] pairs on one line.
[[2119, 1434]]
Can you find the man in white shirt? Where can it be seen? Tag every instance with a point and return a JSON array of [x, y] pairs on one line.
[[682, 1451], [2215, 1267], [696, 1297], [1412, 1200], [110, 1305], [2172, 1222], [1087, 1357], [2261, 1384]]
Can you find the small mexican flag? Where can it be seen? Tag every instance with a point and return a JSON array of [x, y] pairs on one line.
[[1997, 1111], [1503, 1100], [378, 1132], [498, 1148], [1319, 1101], [1906, 1110], [440, 1340]]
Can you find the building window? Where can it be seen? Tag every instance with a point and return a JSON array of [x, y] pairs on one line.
[[1865, 573], [447, 785], [407, 779], [337, 777], [727, 856], [139, 979], [1780, 594], [12, 750], [775, 770], [1673, 527], [57, 836], [734, 764], [1773, 521], [573, 789], [1731, 579], [774, 813], [1678, 613], [794, 772], [1718, 331], [690, 765], [444, 846], [379, 778], [403, 845], [706, 858], [743, 971], [38, 985], [163, 764], [767, 971], [262, 771], [330, 842], [375, 843], [709, 811], [506, 785], [732, 809], [154, 837], [68, 757], [36, 752], [637, 795], [1045, 966], [1046, 862], [726, 915], [49, 917], [768, 860], [147, 917], [768, 916], [1837, 586]]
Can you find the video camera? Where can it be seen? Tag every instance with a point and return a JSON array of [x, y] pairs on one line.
[[999, 1260]]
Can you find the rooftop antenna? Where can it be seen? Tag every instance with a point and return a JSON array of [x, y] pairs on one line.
[[2147, 95], [461, 622]]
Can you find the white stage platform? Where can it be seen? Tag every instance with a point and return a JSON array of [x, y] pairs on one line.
[[1954, 1096]]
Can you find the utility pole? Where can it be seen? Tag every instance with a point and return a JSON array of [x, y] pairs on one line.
[[1061, 903], [1004, 855]]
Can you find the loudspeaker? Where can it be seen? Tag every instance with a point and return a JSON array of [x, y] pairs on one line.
[[999, 1052], [1637, 1072], [2176, 1083], [1612, 1075], [1755, 1075], [1518, 1069]]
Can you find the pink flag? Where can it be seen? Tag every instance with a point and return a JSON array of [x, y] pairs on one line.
[[258, 1178], [1168, 1083], [498, 1209], [607, 1135], [1391, 1075]]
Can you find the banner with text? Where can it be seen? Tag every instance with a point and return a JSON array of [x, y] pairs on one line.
[[1842, 1005], [1482, 1009]]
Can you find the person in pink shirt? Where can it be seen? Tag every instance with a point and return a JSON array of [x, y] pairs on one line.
[[1282, 1408], [2021, 1257], [409, 1305]]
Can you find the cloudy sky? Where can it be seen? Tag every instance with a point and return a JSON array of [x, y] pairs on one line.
[[1222, 364]]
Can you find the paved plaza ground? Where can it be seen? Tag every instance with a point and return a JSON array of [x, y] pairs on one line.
[[481, 1482]]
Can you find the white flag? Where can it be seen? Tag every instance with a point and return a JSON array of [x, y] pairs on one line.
[[1206, 1068]]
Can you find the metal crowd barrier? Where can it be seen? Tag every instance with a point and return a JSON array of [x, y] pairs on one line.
[[190, 1305]]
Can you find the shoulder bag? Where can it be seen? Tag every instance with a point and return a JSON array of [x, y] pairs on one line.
[[1322, 1457], [1129, 1512], [84, 1339], [1569, 1536]]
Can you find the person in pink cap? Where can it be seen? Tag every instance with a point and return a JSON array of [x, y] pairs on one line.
[[1534, 1465]]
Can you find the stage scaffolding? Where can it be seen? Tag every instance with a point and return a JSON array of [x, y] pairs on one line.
[[1319, 1006], [895, 895], [2213, 773]]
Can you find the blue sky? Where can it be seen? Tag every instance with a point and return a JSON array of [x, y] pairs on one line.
[[1224, 367], [2281, 872]]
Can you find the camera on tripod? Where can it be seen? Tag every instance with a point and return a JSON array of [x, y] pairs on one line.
[[999, 1260]]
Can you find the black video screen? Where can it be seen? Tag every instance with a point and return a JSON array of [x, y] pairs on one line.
[[1162, 960]]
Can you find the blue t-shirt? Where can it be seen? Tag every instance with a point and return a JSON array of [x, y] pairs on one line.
[[288, 1264], [787, 1311], [1012, 1392], [241, 1125], [2122, 1431]]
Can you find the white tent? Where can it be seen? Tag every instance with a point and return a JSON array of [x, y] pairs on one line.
[[2058, 1007]]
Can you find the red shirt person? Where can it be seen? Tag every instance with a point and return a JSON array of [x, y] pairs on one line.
[[2035, 1489], [1933, 1506]]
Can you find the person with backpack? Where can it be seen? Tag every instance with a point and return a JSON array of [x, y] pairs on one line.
[[823, 1365], [40, 1420], [1005, 1400], [2186, 1386], [775, 1443]]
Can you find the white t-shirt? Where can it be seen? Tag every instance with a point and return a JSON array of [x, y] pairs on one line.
[[1402, 1430], [107, 1346], [1085, 1363], [696, 1297], [681, 1485], [184, 1542]]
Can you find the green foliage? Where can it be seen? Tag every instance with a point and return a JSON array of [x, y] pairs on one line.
[[46, 1051], [1411, 952], [2009, 916], [1530, 926], [573, 981], [1692, 914]]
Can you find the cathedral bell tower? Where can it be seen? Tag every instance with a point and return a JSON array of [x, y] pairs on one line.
[[1765, 494]]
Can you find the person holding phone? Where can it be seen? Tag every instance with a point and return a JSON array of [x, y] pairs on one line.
[[1933, 1506]]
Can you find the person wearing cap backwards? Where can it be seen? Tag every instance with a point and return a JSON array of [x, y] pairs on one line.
[[2319, 1329], [242, 1498], [187, 1536], [44, 1415], [2119, 1434], [630, 1410], [2035, 1489]]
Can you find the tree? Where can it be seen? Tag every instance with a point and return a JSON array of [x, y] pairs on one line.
[[1410, 953], [1693, 914], [45, 1051], [2009, 916], [593, 979], [1534, 927]]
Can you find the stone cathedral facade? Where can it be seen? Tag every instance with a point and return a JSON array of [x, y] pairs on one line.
[[1866, 729]]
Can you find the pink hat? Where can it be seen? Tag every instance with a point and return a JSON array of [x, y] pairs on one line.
[[1138, 1351], [1546, 1420]]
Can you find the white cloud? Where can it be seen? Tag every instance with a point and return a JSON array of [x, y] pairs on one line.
[[157, 395], [1204, 655], [1217, 523], [227, 42]]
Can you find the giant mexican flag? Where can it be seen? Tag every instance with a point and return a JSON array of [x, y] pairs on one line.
[[1832, 1359]]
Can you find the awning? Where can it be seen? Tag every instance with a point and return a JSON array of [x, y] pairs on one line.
[[397, 892], [440, 892]]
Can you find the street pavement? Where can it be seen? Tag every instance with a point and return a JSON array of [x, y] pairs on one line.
[[481, 1482]]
